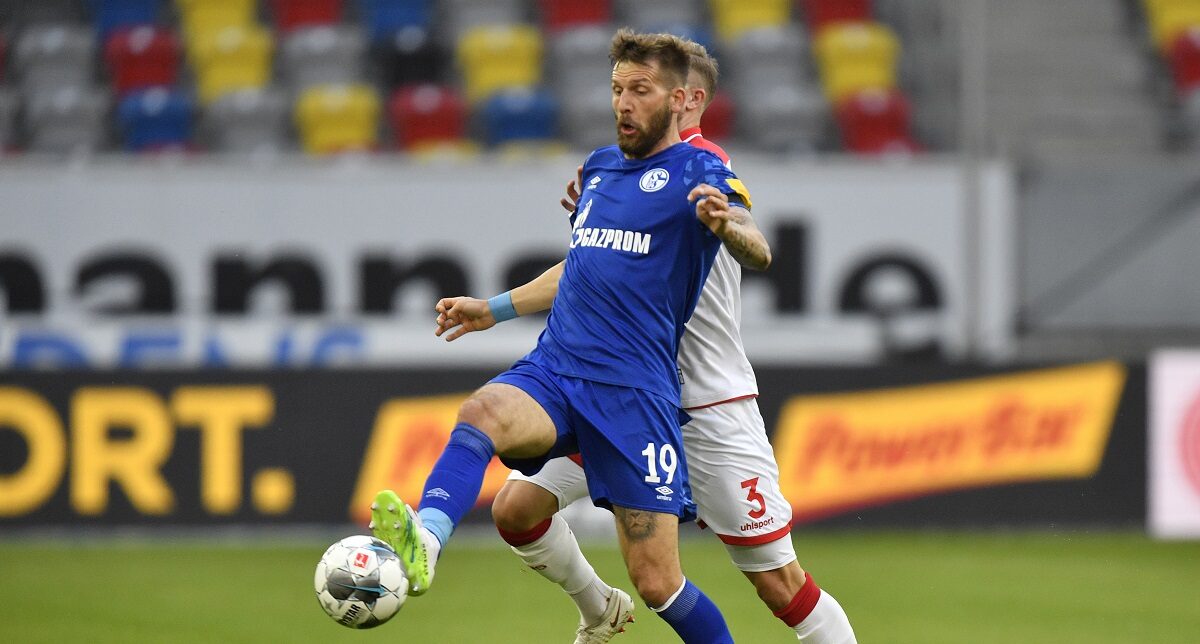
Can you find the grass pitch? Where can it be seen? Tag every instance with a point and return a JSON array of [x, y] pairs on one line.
[[918, 588]]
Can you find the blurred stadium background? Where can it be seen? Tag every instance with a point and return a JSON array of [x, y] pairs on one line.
[[225, 223]]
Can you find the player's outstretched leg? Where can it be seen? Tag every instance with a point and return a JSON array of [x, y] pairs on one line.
[[393, 521]]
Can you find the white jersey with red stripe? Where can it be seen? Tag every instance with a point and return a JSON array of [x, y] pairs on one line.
[[713, 367]]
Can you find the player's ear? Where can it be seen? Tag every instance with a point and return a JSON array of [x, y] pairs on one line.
[[679, 99]]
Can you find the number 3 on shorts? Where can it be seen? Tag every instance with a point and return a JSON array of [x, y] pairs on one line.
[[665, 458]]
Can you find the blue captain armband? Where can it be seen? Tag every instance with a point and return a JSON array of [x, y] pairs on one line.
[[502, 307]]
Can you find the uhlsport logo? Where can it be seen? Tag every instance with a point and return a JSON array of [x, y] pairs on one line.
[[654, 180]]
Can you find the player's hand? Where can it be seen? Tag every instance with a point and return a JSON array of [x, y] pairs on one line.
[[712, 206], [574, 188], [462, 315]]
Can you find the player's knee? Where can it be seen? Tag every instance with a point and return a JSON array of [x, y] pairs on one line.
[[654, 584], [512, 513], [482, 412], [776, 588]]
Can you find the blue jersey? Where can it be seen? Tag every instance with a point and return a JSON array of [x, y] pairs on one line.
[[638, 259]]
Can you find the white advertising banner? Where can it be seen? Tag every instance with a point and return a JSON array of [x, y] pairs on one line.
[[298, 263], [1174, 445]]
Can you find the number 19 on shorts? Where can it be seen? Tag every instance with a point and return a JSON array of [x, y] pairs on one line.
[[660, 456]]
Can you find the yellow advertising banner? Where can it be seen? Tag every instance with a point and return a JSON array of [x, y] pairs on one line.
[[407, 440], [843, 451]]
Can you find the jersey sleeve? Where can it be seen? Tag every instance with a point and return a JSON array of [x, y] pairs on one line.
[[714, 172]]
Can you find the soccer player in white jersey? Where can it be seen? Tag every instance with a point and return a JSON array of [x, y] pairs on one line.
[[734, 477]]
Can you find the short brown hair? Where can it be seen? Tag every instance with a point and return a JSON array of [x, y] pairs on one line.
[[670, 52], [702, 63]]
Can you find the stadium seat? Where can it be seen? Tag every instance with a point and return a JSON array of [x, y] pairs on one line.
[[426, 115], [142, 57], [50, 57], [199, 18], [1167, 19], [338, 118], [155, 119], [732, 18], [231, 59], [251, 120], [875, 121], [459, 17], [3, 55], [640, 14], [819, 14], [296, 14], [558, 15], [494, 58], [1190, 114], [323, 55], [784, 119], [383, 18], [112, 15], [699, 33], [718, 120], [66, 120], [762, 58], [855, 56], [409, 56], [587, 117], [577, 59], [9, 104], [1185, 61], [519, 116]]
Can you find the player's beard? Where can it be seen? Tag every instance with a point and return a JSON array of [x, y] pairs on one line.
[[643, 140]]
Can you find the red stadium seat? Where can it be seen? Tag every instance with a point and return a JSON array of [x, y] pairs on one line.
[[876, 121], [142, 57], [717, 123], [1185, 61], [820, 13], [426, 114], [565, 14], [295, 14]]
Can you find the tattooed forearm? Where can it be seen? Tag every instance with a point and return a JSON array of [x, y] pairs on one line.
[[638, 525], [745, 242]]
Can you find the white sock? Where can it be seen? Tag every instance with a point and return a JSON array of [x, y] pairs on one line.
[[826, 624], [557, 557]]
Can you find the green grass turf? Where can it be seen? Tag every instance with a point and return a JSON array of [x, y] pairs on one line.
[[909, 587]]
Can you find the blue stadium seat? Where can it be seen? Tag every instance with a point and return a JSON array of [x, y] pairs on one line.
[[111, 15], [156, 119], [520, 115], [383, 18]]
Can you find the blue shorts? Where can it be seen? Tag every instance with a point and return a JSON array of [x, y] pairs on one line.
[[630, 439]]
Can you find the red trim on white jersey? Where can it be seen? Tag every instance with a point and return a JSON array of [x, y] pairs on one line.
[[721, 402], [693, 136], [756, 540]]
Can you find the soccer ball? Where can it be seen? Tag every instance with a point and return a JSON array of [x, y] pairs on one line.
[[360, 582]]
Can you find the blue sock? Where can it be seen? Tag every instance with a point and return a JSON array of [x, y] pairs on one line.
[[453, 486], [695, 617]]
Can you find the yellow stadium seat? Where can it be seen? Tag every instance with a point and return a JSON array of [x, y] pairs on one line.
[[732, 18], [337, 118], [200, 16], [498, 57], [1167, 19], [856, 56], [231, 59]]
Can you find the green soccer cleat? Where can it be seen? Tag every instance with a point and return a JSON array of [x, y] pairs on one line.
[[394, 522]]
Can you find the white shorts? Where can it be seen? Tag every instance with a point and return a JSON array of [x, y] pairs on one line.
[[734, 481]]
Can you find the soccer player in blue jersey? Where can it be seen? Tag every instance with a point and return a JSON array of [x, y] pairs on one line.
[[731, 466], [602, 379]]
